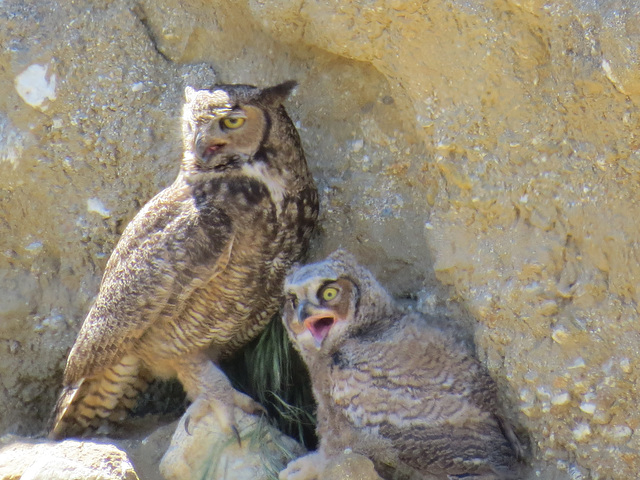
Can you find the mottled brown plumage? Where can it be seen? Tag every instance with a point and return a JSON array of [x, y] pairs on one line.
[[388, 384], [201, 265]]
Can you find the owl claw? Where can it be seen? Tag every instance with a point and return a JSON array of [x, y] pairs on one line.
[[247, 405], [187, 420], [214, 399], [222, 411], [237, 435]]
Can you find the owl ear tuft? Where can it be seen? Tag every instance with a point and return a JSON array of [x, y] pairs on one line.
[[277, 94], [190, 94]]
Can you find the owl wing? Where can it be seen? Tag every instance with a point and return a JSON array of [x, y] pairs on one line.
[[424, 398], [454, 450], [166, 252]]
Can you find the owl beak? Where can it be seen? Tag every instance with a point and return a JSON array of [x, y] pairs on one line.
[[207, 147], [320, 324], [317, 321], [212, 149], [304, 310], [208, 150], [296, 324]]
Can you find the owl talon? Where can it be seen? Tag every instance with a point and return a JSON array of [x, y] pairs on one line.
[[223, 412], [186, 424], [226, 419], [237, 435]]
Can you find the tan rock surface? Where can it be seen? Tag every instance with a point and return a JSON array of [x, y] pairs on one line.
[[478, 152], [351, 466], [68, 460], [146, 444]]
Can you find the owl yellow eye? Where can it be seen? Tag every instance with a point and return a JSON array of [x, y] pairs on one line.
[[233, 122], [329, 293]]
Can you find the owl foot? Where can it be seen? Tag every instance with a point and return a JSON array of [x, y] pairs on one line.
[[309, 467], [223, 411], [211, 392]]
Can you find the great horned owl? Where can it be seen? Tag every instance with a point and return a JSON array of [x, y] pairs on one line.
[[202, 264], [388, 384]]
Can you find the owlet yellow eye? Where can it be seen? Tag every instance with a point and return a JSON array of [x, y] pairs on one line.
[[232, 122], [329, 293]]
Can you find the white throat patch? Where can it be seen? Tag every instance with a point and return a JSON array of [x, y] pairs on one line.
[[276, 185]]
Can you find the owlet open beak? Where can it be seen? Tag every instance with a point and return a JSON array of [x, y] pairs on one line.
[[320, 325]]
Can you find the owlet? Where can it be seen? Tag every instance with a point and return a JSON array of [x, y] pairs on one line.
[[389, 385]]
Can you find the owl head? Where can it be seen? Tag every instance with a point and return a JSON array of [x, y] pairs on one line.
[[227, 126], [329, 301]]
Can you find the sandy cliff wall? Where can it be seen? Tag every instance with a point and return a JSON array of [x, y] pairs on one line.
[[481, 152]]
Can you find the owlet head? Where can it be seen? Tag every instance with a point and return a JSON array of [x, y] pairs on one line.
[[329, 300], [227, 125]]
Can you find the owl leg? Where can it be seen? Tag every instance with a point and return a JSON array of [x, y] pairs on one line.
[[309, 467], [210, 391]]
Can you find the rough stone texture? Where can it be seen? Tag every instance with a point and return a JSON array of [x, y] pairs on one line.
[[68, 460], [145, 443], [482, 152], [351, 466], [200, 449]]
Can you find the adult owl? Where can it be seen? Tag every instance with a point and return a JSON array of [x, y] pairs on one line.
[[199, 271], [388, 385]]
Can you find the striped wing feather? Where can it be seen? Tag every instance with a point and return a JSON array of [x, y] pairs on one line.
[[165, 253], [160, 260], [434, 403]]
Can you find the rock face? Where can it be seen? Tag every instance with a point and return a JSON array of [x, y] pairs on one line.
[[482, 153], [351, 466], [68, 460]]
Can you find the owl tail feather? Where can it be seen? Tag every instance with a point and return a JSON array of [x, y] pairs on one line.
[[60, 423], [519, 447], [98, 400]]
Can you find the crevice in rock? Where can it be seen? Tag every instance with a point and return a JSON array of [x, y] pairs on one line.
[[141, 16]]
